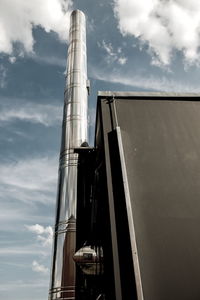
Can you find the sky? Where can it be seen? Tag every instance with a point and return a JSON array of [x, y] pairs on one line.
[[146, 45]]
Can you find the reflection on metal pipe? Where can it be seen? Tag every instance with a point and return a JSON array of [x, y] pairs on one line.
[[74, 134]]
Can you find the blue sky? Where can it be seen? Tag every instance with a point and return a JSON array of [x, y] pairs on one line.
[[146, 45]]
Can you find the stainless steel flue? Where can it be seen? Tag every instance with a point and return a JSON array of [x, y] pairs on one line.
[[74, 133]]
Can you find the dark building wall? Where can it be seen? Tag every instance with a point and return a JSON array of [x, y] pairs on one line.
[[161, 140], [161, 145], [145, 211]]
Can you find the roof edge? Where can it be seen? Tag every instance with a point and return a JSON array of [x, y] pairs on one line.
[[117, 94]]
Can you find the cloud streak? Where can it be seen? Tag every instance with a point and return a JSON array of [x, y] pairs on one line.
[[19, 17], [3, 75], [164, 25], [49, 60], [47, 115], [151, 83], [20, 251], [30, 181], [20, 284]]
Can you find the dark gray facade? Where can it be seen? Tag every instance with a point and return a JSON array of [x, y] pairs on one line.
[[147, 211]]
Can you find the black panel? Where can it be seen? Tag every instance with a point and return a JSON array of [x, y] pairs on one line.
[[161, 141], [123, 236]]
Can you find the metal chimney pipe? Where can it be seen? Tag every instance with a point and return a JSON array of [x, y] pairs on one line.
[[74, 133]]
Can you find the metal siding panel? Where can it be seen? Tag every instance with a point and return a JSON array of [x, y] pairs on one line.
[[107, 127], [161, 141]]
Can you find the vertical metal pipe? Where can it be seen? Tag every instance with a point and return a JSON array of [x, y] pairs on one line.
[[74, 133]]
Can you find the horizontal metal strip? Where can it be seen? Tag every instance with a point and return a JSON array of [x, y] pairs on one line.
[[67, 160], [70, 156], [64, 231], [61, 298], [62, 288], [72, 102]]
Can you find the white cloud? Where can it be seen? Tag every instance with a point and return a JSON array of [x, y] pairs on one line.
[[39, 229], [3, 74], [30, 181], [19, 17], [112, 55], [122, 60], [109, 49], [164, 25], [39, 268], [12, 59], [44, 234], [47, 115]]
